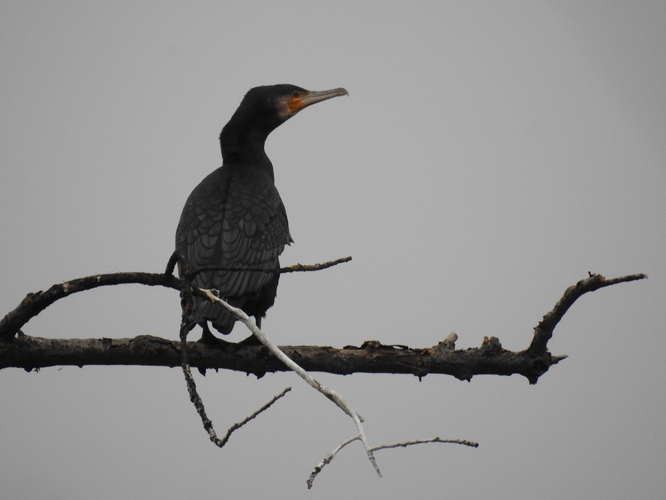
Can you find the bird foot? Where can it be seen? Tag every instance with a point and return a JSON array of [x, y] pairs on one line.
[[251, 340], [210, 340]]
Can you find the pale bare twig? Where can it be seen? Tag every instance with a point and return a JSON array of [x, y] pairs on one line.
[[329, 458], [275, 350]]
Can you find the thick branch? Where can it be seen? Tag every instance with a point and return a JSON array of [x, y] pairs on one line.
[[34, 352]]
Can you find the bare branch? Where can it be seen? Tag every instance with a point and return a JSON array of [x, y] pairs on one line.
[[36, 302], [327, 460], [295, 268], [186, 312], [247, 419], [424, 441], [544, 330]]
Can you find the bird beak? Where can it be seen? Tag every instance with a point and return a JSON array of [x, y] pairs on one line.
[[306, 98]]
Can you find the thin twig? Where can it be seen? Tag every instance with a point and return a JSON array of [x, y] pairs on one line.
[[329, 458], [186, 298], [471, 444], [34, 303], [247, 419], [295, 268]]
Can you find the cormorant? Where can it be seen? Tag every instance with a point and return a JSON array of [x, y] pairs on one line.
[[235, 217]]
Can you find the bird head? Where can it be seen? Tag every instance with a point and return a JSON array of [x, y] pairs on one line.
[[291, 99], [284, 100], [261, 111]]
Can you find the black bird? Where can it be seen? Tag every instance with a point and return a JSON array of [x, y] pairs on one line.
[[235, 217]]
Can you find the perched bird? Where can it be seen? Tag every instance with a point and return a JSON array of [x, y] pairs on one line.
[[235, 218]]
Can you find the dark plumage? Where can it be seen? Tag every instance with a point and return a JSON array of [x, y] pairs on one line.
[[235, 216]]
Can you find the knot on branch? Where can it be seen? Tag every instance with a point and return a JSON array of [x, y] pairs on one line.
[[491, 345]]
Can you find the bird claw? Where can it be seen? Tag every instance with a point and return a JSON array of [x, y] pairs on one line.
[[210, 340]]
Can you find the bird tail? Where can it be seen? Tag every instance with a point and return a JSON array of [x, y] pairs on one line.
[[222, 320]]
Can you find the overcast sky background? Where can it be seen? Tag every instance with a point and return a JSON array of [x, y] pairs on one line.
[[489, 155]]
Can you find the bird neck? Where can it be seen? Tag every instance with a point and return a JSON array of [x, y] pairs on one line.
[[242, 141]]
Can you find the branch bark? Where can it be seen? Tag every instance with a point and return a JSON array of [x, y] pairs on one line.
[[372, 357]]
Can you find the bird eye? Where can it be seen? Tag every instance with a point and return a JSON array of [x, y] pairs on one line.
[[296, 94]]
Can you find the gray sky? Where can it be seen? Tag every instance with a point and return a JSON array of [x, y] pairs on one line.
[[489, 155]]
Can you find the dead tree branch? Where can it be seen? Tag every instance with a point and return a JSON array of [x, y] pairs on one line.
[[30, 353], [544, 330], [36, 302], [490, 358], [19, 350]]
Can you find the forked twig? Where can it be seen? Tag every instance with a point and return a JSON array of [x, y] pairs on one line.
[[329, 458], [186, 303]]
